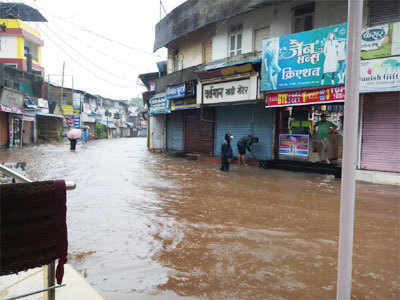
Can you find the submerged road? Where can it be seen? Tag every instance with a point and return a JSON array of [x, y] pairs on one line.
[[149, 226]]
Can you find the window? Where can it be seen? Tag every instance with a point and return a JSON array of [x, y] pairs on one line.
[[31, 48], [303, 18], [206, 51], [260, 35], [235, 40]]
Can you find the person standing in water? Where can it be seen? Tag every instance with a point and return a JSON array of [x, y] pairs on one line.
[[226, 153]]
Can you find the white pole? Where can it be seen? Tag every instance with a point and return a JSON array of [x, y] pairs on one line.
[[350, 142]]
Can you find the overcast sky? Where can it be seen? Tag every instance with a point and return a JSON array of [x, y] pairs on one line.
[[100, 66]]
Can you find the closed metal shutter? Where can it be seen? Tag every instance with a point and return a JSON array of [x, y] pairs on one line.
[[3, 129], [199, 131], [380, 146], [242, 120], [175, 131], [383, 11], [157, 123], [28, 133]]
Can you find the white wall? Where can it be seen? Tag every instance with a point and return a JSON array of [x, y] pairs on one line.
[[8, 47], [278, 18]]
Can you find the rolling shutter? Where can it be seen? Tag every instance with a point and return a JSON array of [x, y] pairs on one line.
[[199, 131], [175, 131], [242, 120], [380, 146], [383, 11]]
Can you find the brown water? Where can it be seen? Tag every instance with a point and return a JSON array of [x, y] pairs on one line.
[[143, 224]]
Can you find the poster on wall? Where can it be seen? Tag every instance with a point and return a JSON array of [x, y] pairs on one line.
[[294, 146], [380, 41], [305, 59], [318, 96], [380, 75], [77, 99]]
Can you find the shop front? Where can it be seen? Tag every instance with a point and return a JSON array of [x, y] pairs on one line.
[[50, 128], [235, 99], [309, 124], [28, 137], [380, 115], [159, 109], [303, 76], [182, 98], [11, 118]]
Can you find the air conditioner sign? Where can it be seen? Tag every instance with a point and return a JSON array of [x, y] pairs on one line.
[[177, 91]]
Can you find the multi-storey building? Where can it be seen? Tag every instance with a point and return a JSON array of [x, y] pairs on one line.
[[243, 67]]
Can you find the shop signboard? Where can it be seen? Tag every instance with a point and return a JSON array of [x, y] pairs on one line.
[[11, 101], [180, 104], [380, 75], [28, 118], [68, 110], [305, 59], [176, 91], [77, 121], [77, 100], [318, 96], [43, 106], [230, 91], [380, 41], [159, 104], [294, 146]]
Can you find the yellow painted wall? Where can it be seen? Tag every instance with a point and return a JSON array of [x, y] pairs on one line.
[[15, 24], [20, 47]]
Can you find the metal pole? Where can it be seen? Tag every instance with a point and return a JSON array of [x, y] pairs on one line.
[[350, 140], [51, 280], [62, 84]]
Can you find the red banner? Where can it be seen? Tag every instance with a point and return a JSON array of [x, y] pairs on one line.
[[320, 96]]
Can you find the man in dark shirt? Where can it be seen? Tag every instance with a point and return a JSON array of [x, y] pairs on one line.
[[226, 153], [244, 144]]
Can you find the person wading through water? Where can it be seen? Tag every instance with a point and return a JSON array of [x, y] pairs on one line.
[[226, 153], [244, 144]]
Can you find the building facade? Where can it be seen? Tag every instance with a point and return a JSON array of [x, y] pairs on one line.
[[261, 68]]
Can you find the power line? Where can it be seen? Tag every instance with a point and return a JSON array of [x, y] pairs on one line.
[[97, 49], [84, 56], [86, 69], [99, 35]]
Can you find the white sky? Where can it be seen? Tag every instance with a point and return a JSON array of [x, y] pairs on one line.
[[99, 66]]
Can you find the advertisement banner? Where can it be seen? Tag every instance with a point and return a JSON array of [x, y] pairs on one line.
[[176, 91], [67, 110], [294, 146], [320, 96], [159, 104], [77, 121], [380, 41], [12, 99], [10, 109], [180, 104], [380, 75], [77, 99], [305, 59]]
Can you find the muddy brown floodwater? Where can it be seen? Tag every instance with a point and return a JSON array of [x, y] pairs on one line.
[[146, 225]]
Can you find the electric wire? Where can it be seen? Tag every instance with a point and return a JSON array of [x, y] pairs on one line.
[[99, 35], [84, 67], [85, 57]]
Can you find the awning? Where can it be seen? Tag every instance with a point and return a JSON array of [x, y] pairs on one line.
[[107, 125], [49, 115]]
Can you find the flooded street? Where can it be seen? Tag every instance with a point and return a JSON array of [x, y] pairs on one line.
[[143, 224]]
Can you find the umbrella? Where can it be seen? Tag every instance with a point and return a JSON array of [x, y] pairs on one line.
[[21, 11], [74, 133]]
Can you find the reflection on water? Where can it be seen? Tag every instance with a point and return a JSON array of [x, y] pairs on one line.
[[146, 224]]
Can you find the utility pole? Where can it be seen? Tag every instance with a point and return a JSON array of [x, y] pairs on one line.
[[348, 187], [62, 84]]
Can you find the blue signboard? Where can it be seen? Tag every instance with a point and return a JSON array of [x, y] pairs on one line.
[[159, 104], [176, 91], [305, 59], [77, 121]]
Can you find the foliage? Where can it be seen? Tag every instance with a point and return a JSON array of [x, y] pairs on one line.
[[101, 131]]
